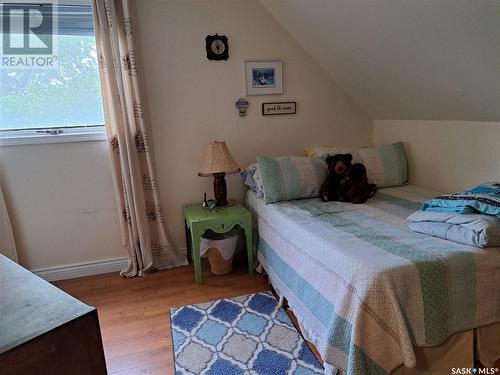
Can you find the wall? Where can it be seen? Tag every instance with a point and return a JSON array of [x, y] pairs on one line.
[[446, 155], [60, 199], [405, 59], [192, 100]]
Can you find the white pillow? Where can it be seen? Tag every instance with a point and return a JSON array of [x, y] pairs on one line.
[[319, 151]]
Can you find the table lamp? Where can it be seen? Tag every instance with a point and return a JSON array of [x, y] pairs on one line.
[[217, 162]]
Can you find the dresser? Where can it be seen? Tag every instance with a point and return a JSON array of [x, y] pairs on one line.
[[44, 330]]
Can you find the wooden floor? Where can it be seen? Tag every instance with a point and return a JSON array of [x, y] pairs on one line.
[[133, 313]]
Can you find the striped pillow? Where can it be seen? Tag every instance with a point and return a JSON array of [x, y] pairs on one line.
[[386, 164], [291, 177]]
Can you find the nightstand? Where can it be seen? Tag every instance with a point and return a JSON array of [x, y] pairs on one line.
[[220, 220]]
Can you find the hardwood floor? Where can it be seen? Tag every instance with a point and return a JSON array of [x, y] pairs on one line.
[[133, 313]]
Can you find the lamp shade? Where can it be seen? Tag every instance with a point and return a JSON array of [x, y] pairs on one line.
[[217, 159]]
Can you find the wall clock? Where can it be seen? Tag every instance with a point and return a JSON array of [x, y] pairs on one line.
[[217, 47]]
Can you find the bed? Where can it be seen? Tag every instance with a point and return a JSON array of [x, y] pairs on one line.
[[369, 293]]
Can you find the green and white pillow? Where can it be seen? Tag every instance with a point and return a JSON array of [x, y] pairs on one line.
[[291, 177], [386, 165]]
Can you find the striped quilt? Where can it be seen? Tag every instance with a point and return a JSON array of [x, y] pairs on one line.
[[365, 288]]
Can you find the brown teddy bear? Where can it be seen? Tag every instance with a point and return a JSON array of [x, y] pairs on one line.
[[355, 187], [338, 165]]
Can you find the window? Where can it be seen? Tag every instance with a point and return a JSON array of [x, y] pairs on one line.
[[58, 102]]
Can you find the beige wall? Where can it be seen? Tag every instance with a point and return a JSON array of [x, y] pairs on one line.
[[61, 203], [446, 155], [191, 99]]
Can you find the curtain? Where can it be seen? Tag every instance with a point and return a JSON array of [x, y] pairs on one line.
[[7, 245], [142, 222]]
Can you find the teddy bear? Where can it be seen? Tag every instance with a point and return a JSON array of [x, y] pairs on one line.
[[354, 187], [338, 165]]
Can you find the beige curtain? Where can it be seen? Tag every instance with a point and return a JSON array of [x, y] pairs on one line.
[[143, 223], [7, 245]]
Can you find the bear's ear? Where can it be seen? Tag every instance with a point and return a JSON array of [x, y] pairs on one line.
[[329, 159], [348, 157]]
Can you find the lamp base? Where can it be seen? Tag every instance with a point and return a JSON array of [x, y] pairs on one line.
[[230, 203], [220, 189]]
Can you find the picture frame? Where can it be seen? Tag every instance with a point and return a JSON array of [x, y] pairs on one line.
[[279, 108], [264, 77]]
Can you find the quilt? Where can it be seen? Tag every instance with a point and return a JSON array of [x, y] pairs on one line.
[[365, 288]]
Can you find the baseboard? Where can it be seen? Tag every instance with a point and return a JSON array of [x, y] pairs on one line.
[[82, 269], [97, 267]]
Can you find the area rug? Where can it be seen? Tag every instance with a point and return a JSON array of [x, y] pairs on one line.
[[243, 335]]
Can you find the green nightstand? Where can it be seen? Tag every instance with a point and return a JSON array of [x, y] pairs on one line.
[[220, 220]]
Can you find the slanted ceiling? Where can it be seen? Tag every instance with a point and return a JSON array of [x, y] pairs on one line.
[[405, 59]]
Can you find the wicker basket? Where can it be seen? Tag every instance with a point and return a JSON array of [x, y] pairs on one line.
[[218, 265]]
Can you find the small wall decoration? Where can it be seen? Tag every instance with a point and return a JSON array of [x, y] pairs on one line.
[[217, 47], [279, 108], [242, 105], [264, 77]]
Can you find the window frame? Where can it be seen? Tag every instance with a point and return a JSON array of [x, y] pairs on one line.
[[56, 134], [33, 136]]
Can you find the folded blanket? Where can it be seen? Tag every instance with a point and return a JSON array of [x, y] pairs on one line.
[[470, 229], [483, 199]]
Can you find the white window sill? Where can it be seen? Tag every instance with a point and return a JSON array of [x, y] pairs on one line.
[[14, 138]]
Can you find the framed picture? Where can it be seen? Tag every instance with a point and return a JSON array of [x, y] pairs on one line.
[[279, 108], [264, 77]]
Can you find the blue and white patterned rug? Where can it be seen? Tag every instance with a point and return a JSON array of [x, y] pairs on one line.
[[242, 335]]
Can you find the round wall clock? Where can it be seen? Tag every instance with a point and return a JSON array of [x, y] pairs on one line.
[[217, 47]]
